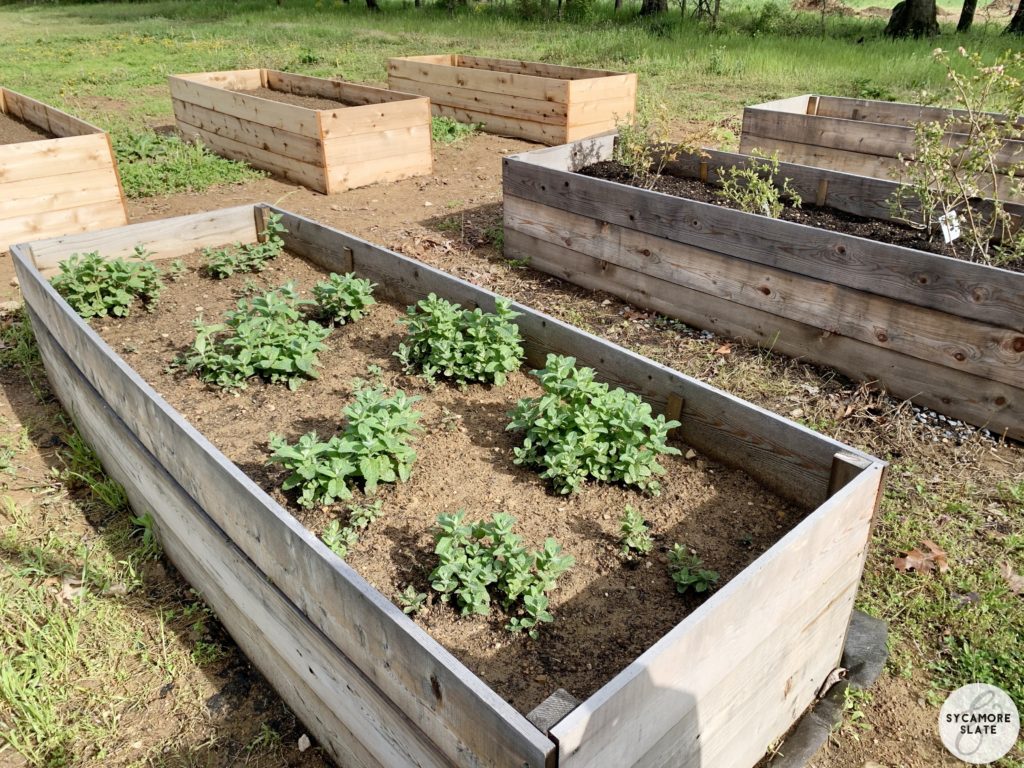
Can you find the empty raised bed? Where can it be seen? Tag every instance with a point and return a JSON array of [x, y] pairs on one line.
[[946, 333], [539, 102], [57, 173], [327, 135], [853, 135], [369, 683]]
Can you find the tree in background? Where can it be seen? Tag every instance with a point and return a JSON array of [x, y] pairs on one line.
[[1016, 25], [967, 16]]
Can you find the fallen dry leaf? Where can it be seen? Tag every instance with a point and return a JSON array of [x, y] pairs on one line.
[[923, 562], [70, 589], [1014, 581], [725, 349]]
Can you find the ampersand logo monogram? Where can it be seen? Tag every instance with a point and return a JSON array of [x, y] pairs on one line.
[[979, 723]]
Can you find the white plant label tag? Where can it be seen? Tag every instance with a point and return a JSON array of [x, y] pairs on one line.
[[950, 224]]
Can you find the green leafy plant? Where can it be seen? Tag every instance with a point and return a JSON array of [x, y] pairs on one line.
[[338, 538], [411, 600], [687, 571], [636, 535], [754, 187], [448, 130], [642, 144], [98, 287], [177, 269], [580, 429], [344, 298], [248, 257], [481, 561], [959, 169], [460, 344], [373, 447], [266, 336]]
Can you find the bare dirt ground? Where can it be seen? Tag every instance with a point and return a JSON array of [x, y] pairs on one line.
[[449, 220]]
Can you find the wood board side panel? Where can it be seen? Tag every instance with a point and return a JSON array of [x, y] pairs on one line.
[[668, 683], [985, 351], [415, 72], [568, 157], [241, 79], [411, 112], [542, 133], [349, 175], [167, 239], [53, 157], [783, 455], [275, 114], [972, 291], [86, 217], [535, 68], [468, 722], [50, 119], [988, 404], [342, 709], [488, 102], [332, 88]]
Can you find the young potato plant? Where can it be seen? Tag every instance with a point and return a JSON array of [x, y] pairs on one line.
[[373, 447], [481, 561], [460, 344], [580, 429], [267, 337], [344, 298], [687, 571], [98, 287], [636, 535], [250, 257], [753, 188]]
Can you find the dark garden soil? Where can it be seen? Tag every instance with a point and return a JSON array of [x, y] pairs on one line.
[[811, 215], [15, 131], [298, 100], [606, 612]]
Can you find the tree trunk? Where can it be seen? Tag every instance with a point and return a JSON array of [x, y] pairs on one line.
[[913, 18], [967, 16], [1016, 26], [618, 4], [650, 7], [372, 5]]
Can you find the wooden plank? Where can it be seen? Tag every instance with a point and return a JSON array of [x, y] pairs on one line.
[[232, 79], [332, 88], [168, 239], [52, 120], [52, 157], [93, 215], [528, 86], [979, 402], [659, 693], [341, 707], [306, 174], [534, 68], [467, 721], [795, 104], [487, 102], [569, 157], [610, 87], [275, 114], [412, 143], [787, 457], [355, 121], [973, 291], [542, 133], [951, 341], [345, 176], [55, 193], [892, 112], [291, 145]]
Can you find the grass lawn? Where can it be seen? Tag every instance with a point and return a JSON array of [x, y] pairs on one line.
[[126, 635]]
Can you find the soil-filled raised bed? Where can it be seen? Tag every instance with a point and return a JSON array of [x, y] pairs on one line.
[[713, 685], [944, 332], [546, 103], [327, 135], [853, 135], [57, 173]]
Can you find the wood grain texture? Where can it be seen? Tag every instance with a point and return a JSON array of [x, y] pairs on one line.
[[321, 685], [467, 721], [785, 456], [728, 680], [52, 120]]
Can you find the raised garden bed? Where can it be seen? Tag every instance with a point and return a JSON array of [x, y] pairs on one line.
[[369, 683], [853, 135], [539, 102], [327, 135], [57, 173], [946, 333]]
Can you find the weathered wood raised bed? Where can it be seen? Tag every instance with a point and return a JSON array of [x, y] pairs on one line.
[[368, 682], [853, 135], [54, 186], [943, 332], [545, 103], [383, 136]]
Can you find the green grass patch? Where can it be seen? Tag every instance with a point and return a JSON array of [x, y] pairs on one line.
[[447, 130]]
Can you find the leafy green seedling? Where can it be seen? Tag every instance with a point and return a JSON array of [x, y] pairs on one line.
[[98, 287], [753, 189], [344, 298], [687, 571], [251, 257], [339, 539], [411, 601], [580, 429], [636, 536]]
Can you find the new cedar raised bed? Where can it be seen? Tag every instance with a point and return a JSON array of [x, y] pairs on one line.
[[63, 181], [367, 135], [545, 103], [944, 332], [373, 688], [853, 135]]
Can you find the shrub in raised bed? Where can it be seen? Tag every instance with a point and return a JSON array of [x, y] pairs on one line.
[[344, 298]]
